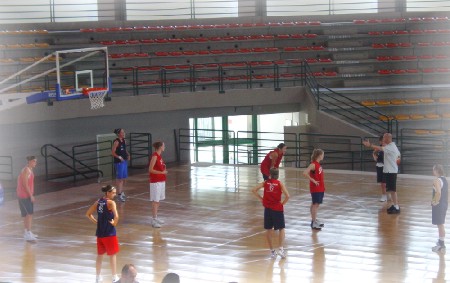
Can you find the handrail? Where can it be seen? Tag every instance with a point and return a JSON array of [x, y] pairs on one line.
[[362, 113], [140, 147], [75, 172]]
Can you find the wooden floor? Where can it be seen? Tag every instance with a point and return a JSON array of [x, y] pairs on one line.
[[213, 232]]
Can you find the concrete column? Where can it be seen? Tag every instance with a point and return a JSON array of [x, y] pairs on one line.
[[111, 10], [252, 8]]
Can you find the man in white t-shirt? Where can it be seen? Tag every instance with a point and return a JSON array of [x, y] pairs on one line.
[[390, 169]]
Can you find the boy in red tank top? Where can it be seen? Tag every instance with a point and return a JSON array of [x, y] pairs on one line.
[[314, 173], [273, 210], [25, 196]]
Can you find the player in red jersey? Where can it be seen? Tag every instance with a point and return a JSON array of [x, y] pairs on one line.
[[273, 210], [157, 178], [314, 173], [272, 160]]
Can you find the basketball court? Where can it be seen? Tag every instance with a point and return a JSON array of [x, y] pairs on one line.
[[213, 231]]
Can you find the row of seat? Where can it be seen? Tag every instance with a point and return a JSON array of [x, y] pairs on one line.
[[404, 117], [412, 32], [216, 65], [430, 132], [413, 71], [207, 39], [33, 31], [26, 59], [249, 25], [24, 45], [401, 20], [222, 51], [411, 101], [215, 79], [206, 26], [412, 57], [409, 44]]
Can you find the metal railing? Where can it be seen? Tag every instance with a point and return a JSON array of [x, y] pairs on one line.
[[73, 167], [421, 151], [140, 149], [45, 11], [348, 109], [92, 159], [217, 146]]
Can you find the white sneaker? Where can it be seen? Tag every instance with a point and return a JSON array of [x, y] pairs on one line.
[[316, 225], [155, 224], [320, 222], [122, 197], [273, 254], [115, 278], [160, 221], [383, 198], [281, 253], [29, 237], [99, 279]]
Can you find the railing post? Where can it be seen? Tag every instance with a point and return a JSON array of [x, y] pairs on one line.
[[73, 166], [276, 77], [220, 75]]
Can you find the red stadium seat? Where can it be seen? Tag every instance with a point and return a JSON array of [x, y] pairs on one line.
[[383, 58]]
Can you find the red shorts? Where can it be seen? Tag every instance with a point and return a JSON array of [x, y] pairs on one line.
[[108, 245]]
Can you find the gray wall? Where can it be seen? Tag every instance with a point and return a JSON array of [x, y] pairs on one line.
[[27, 127]]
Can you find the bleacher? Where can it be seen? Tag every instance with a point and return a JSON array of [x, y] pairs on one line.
[[397, 65]]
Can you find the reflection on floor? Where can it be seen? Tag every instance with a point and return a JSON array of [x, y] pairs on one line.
[[213, 232]]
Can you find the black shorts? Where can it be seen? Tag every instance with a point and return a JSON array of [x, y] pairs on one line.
[[273, 219], [317, 197], [26, 206], [391, 182], [380, 175], [438, 213]]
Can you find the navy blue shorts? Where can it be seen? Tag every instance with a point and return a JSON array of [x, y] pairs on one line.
[[265, 177], [380, 175], [391, 182], [121, 169], [438, 214], [273, 219], [317, 197], [26, 206]]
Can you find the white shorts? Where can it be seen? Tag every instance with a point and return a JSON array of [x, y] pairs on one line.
[[157, 191]]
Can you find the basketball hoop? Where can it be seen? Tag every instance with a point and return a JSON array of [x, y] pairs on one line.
[[96, 96]]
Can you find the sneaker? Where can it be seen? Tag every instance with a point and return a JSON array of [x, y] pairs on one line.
[[155, 224], [391, 208], [320, 222], [34, 235], [394, 210], [383, 198], [282, 253], [440, 247], [122, 197], [273, 254], [160, 221], [29, 237], [316, 225], [99, 279], [115, 278]]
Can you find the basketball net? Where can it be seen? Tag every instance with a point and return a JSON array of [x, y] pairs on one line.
[[96, 97]]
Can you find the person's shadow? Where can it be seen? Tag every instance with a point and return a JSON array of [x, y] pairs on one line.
[[440, 275]]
